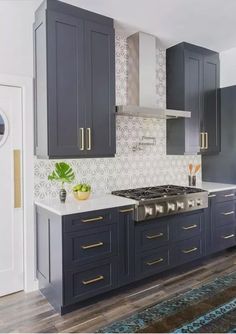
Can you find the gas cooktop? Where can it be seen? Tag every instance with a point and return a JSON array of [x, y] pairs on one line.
[[164, 200], [142, 194]]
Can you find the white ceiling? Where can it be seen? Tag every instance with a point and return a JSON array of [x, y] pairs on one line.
[[209, 23]]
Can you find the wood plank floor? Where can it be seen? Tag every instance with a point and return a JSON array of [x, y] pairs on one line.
[[31, 313]]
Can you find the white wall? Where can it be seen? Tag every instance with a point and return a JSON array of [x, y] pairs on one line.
[[228, 68]]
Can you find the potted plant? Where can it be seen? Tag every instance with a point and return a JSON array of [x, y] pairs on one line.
[[62, 173]]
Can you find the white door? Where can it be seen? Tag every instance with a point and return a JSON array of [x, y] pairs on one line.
[[11, 212]]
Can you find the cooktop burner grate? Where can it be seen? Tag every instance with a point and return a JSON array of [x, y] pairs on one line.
[[147, 193]]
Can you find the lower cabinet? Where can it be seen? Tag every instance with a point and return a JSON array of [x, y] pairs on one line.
[[221, 221], [84, 255]]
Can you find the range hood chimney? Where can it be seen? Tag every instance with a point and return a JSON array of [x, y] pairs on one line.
[[141, 93]]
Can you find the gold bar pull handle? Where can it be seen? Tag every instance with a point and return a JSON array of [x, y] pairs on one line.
[[228, 213], [90, 220], [17, 178], [189, 250], [89, 139], [154, 236], [202, 144], [155, 262], [81, 139], [94, 280], [229, 195], [127, 210], [206, 141], [228, 236], [211, 196], [189, 227], [98, 244]]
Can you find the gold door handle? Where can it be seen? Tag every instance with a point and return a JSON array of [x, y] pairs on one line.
[[92, 219], [127, 210], [206, 141], [228, 213], [229, 195], [189, 227], [211, 196], [94, 280], [17, 178], [93, 245], [228, 236], [155, 262], [81, 139], [155, 236], [189, 250], [89, 139], [202, 144]]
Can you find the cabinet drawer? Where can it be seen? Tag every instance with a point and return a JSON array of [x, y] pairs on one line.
[[186, 251], [185, 227], [90, 245], [89, 220], [224, 196], [224, 237], [225, 213], [151, 235], [151, 262], [84, 283]]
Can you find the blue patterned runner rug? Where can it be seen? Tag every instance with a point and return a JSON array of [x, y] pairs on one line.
[[210, 308]]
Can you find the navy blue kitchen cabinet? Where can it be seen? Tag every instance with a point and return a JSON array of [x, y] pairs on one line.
[[80, 256], [221, 221], [74, 62], [192, 85]]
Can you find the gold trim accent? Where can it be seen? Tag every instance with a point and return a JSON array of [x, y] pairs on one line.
[[229, 195], [93, 245], [127, 210], [189, 250], [17, 178], [228, 236], [81, 139], [202, 144], [189, 227], [155, 262], [92, 219], [89, 139], [206, 141], [155, 236], [94, 280], [227, 213]]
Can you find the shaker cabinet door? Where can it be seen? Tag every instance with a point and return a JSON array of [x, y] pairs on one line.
[[65, 44], [193, 99], [100, 89], [211, 117]]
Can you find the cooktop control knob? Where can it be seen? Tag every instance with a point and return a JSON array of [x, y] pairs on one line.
[[148, 210], [191, 203], [159, 209], [199, 202], [170, 207], [180, 205]]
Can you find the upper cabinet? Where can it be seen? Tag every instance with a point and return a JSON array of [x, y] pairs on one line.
[[74, 82], [193, 85]]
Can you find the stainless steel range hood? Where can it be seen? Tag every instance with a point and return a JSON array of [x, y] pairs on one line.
[[141, 91]]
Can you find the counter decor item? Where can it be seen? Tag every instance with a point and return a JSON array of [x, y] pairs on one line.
[[193, 171], [62, 173], [82, 191]]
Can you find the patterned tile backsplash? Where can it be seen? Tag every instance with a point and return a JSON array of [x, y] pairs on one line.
[[134, 165]]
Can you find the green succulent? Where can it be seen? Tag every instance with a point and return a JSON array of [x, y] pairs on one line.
[[63, 173]]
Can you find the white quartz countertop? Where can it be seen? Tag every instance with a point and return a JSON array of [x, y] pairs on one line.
[[95, 202], [214, 187]]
